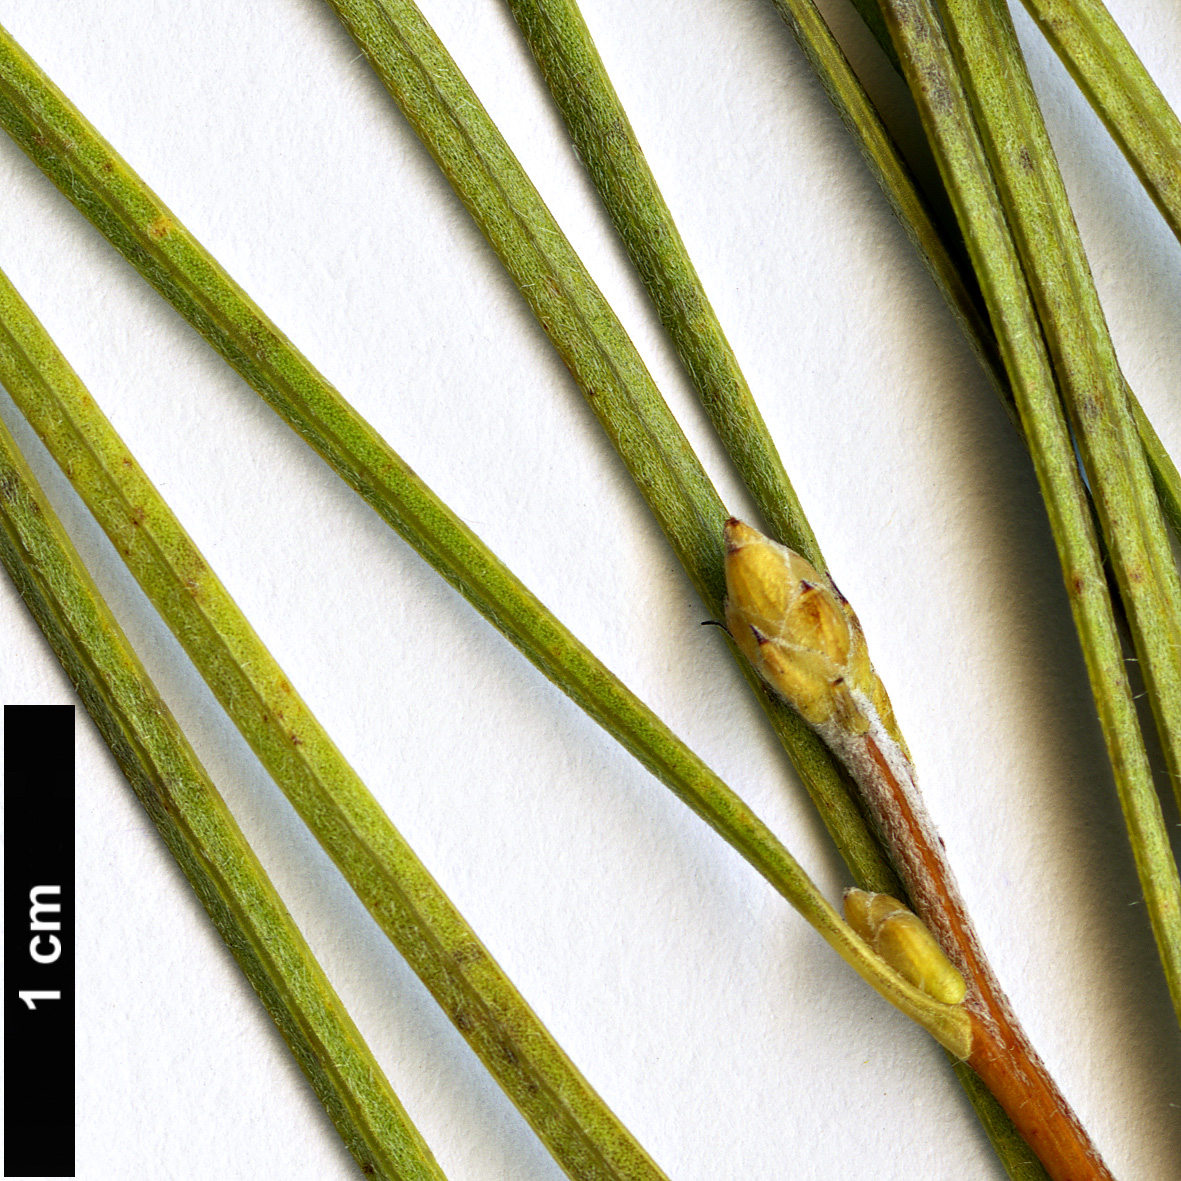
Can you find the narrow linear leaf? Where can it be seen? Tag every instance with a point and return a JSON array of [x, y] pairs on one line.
[[604, 139], [1142, 814], [594, 116], [1147, 833], [940, 257], [894, 177], [1122, 92], [1051, 252], [948, 120], [175, 241], [576, 1126], [562, 45], [1164, 471], [201, 834], [567, 1115], [870, 12], [400, 37], [104, 188], [445, 112]]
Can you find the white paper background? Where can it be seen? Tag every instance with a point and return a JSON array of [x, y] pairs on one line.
[[720, 1028]]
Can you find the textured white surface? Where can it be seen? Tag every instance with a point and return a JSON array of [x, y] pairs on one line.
[[724, 1032]]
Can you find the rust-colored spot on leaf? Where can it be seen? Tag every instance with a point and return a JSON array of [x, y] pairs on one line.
[[616, 133], [467, 953], [938, 94], [160, 228]]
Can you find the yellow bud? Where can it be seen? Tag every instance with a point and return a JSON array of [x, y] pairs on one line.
[[800, 633], [901, 938], [790, 625]]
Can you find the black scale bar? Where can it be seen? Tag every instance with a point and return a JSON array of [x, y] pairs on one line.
[[38, 941]]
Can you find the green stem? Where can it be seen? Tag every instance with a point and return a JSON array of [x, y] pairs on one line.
[[570, 1119], [1124, 96], [200, 832]]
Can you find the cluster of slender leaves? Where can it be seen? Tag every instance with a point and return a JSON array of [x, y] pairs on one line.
[[1019, 287]]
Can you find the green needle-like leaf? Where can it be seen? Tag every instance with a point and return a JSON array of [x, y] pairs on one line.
[[602, 133], [1164, 471], [1124, 96], [200, 832], [1142, 813], [948, 119], [605, 141], [951, 129], [101, 184], [895, 178], [118, 202], [571, 1120], [889, 169], [445, 112], [1036, 205]]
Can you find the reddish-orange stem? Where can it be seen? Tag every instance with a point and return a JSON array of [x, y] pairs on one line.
[[1001, 1053]]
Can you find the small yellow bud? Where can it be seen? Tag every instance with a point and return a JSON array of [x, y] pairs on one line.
[[791, 626], [901, 938], [799, 632]]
